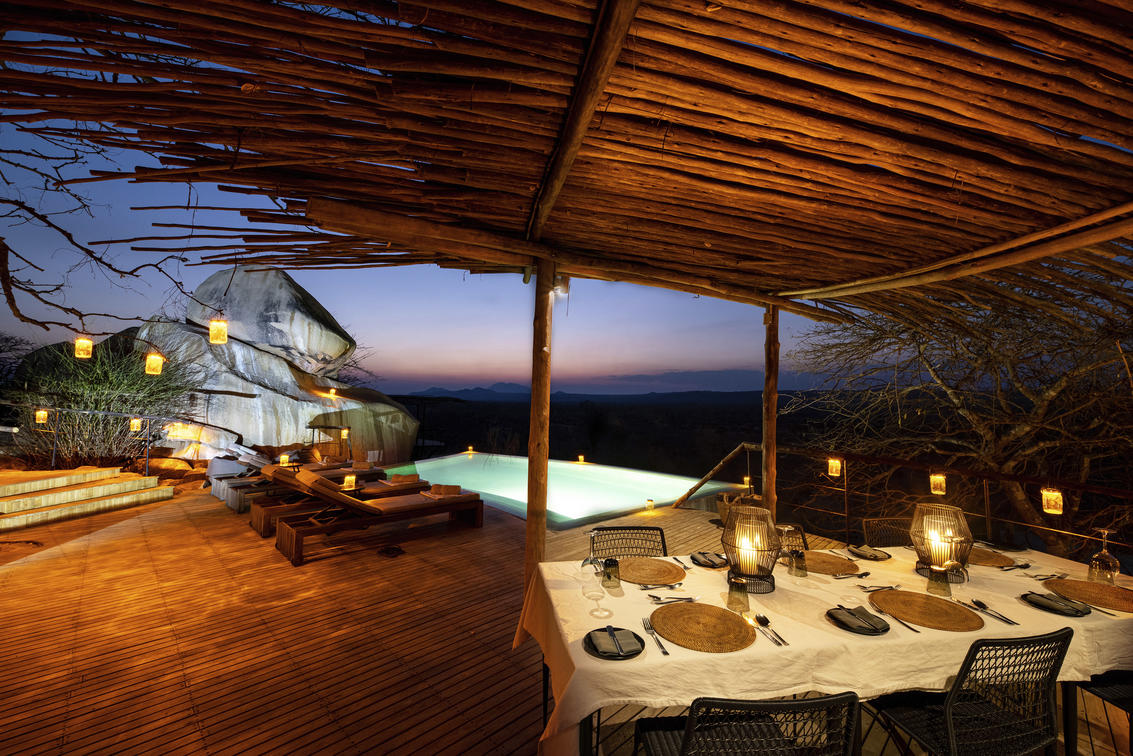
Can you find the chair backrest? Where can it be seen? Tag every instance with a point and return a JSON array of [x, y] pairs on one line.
[[623, 541], [1003, 699], [887, 531], [823, 726]]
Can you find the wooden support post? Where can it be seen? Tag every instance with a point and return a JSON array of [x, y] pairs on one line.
[[770, 404], [538, 442]]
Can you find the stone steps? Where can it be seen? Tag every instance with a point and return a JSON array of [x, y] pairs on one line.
[[46, 497]]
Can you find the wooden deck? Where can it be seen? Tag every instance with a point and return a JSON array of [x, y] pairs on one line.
[[173, 628]]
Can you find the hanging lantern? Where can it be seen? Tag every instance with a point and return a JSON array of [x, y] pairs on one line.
[[834, 467], [154, 363], [135, 424], [344, 434], [1052, 501], [40, 416], [751, 545], [84, 347], [936, 483], [218, 331], [349, 482], [284, 459]]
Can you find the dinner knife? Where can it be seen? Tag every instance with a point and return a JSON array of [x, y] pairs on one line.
[[614, 638]]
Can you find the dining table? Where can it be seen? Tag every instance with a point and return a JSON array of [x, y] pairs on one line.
[[819, 656]]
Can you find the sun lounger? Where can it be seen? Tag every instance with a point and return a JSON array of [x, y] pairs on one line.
[[345, 513], [311, 486]]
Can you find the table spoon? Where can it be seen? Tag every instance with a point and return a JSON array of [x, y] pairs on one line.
[[764, 622]]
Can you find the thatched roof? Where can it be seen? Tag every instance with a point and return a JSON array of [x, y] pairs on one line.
[[901, 157]]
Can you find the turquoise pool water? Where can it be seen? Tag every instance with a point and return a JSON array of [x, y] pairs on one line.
[[575, 491]]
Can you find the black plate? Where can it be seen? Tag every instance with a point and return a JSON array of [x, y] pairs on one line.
[[588, 646]]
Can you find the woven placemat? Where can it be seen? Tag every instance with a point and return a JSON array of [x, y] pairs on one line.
[[927, 611], [1099, 594], [649, 571], [702, 627], [829, 564], [987, 558]]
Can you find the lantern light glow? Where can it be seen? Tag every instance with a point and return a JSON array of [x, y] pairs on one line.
[[40, 416], [1052, 501], [349, 482], [936, 483], [334, 393], [84, 347], [344, 434], [834, 467], [649, 505], [581, 458], [218, 331], [135, 424], [154, 363]]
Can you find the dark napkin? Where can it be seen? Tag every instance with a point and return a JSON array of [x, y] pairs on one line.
[[858, 620], [1052, 602], [603, 645], [868, 552], [708, 559]]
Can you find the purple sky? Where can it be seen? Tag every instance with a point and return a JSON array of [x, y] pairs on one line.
[[425, 326]]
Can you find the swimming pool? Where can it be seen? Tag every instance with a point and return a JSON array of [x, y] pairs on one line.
[[575, 491]]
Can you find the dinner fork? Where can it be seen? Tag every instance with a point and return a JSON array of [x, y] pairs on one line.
[[649, 629], [682, 564], [872, 588]]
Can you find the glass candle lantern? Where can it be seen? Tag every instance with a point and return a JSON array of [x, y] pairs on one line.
[[344, 434], [40, 416], [751, 544], [349, 482], [284, 460], [649, 504], [218, 331], [154, 363], [936, 483], [941, 538], [135, 424], [1052, 501], [834, 467], [334, 393], [84, 348]]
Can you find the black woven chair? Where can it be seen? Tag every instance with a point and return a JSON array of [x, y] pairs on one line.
[[626, 541], [1114, 687], [880, 532], [1002, 702], [824, 726]]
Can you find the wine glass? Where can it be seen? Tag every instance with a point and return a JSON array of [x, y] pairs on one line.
[[1103, 565], [593, 591]]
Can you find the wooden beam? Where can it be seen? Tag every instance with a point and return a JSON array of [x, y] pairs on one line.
[[494, 247], [538, 440], [605, 47], [954, 267], [770, 405]]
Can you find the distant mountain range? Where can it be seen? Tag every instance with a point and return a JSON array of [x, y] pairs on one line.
[[514, 392]]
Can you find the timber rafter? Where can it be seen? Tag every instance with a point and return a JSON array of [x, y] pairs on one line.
[[905, 157]]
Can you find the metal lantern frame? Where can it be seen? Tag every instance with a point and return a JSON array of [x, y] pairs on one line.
[[943, 529], [752, 545]]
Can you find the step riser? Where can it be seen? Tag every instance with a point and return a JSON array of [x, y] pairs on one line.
[[86, 507], [70, 479], [48, 498]]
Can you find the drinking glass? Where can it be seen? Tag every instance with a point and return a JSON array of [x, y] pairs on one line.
[[593, 591], [1103, 565]]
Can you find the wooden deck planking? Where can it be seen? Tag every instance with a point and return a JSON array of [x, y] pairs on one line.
[[174, 628]]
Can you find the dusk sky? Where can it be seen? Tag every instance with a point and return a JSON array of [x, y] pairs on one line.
[[424, 326]]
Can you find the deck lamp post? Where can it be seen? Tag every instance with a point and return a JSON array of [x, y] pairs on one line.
[[751, 544]]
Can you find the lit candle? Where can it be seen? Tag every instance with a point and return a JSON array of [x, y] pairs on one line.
[[834, 467], [348, 481], [1052, 501], [84, 347], [154, 363], [218, 331], [40, 416]]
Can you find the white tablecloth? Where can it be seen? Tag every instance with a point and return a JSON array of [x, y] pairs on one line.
[[820, 656]]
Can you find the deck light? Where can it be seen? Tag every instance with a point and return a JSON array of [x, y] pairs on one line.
[[218, 331], [936, 483], [135, 424], [284, 459], [154, 363], [747, 481], [582, 458], [349, 481], [344, 434], [84, 347], [834, 467], [40, 416], [751, 545], [649, 505], [1052, 501], [334, 393], [471, 450]]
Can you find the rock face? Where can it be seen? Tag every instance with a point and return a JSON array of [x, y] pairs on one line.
[[270, 385], [266, 308]]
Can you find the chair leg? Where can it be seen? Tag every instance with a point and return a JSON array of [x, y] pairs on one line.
[[1069, 717], [546, 686]]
